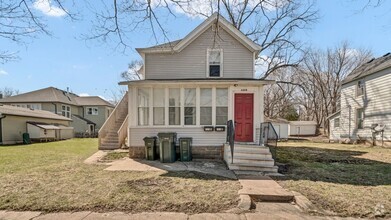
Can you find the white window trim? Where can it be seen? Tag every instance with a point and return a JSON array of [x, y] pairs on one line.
[[221, 63], [92, 112], [70, 111]]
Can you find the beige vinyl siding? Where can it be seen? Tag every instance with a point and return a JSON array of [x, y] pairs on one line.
[[191, 61], [99, 119], [13, 127], [376, 103], [79, 125]]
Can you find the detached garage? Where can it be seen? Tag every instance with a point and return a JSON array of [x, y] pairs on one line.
[[281, 126], [302, 128], [14, 121]]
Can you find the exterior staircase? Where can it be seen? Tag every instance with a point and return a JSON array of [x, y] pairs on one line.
[[113, 133], [250, 158]]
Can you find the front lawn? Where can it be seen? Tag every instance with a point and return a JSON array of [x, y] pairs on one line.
[[52, 177], [350, 180]]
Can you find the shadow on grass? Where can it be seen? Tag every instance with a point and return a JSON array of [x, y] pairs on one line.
[[332, 165]]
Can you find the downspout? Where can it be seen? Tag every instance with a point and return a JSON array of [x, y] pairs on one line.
[[83, 110], [55, 107]]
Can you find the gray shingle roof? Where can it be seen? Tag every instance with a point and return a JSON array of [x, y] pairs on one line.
[[25, 112], [167, 45], [370, 67], [52, 94]]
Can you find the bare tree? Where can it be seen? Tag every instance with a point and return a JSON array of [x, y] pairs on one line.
[[19, 23], [270, 23], [133, 72], [7, 92], [320, 76]]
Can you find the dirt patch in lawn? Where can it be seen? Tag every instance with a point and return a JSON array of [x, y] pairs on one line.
[[112, 156], [51, 177], [350, 180]]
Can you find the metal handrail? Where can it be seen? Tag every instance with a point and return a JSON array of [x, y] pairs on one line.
[[231, 138], [269, 137]]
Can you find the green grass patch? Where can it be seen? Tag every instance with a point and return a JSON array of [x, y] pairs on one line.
[[52, 177], [350, 180]]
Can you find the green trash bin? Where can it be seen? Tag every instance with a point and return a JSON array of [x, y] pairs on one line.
[[150, 148], [26, 138], [167, 149], [185, 148]]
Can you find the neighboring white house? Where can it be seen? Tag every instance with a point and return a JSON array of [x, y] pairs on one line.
[[198, 82], [365, 104], [281, 126], [302, 128]]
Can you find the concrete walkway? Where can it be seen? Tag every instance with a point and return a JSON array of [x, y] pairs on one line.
[[270, 214]]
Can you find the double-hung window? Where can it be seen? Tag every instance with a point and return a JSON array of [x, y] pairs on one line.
[[66, 111], [360, 88], [92, 111], [174, 108], [221, 106], [206, 106], [215, 61], [190, 106], [158, 106], [143, 106], [360, 118], [336, 123]]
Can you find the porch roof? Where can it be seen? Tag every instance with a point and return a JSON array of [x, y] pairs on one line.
[[208, 81]]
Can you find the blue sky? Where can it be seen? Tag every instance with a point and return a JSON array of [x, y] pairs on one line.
[[65, 60]]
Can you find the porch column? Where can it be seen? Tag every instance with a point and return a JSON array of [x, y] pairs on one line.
[[261, 103]]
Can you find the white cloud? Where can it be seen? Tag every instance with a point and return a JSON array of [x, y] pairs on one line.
[[46, 7], [3, 72], [84, 94]]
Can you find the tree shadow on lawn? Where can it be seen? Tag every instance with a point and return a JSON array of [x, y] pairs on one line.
[[332, 165]]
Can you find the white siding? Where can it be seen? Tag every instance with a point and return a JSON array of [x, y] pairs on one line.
[[200, 137], [281, 130], [376, 102], [191, 61], [335, 133]]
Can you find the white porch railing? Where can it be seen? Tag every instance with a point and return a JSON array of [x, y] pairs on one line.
[[123, 131], [118, 113]]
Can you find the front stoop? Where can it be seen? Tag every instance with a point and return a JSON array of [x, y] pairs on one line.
[[250, 158]]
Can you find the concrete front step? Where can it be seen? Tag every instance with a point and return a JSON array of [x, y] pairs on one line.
[[246, 167], [249, 156], [251, 150], [256, 163], [108, 146]]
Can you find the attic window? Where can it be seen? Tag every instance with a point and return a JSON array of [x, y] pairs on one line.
[[215, 60]]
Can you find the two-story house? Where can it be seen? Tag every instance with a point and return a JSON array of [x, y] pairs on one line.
[[365, 112], [88, 113], [193, 86]]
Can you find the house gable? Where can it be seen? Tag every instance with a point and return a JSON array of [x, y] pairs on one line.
[[187, 58]]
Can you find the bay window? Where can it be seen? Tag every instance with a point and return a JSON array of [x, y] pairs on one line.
[[190, 106], [174, 106], [221, 106], [206, 106], [143, 106]]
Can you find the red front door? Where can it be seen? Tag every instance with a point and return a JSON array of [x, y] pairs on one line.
[[244, 117]]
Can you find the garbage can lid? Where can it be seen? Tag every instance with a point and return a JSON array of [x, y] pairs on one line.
[[149, 137]]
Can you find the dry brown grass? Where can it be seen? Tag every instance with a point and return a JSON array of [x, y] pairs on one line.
[[350, 180], [52, 177]]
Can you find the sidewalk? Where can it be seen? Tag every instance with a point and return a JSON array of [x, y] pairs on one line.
[[11, 215]]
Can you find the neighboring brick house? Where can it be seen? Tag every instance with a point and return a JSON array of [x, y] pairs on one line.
[[88, 113]]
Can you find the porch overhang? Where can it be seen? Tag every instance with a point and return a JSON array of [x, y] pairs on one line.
[[203, 81]]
